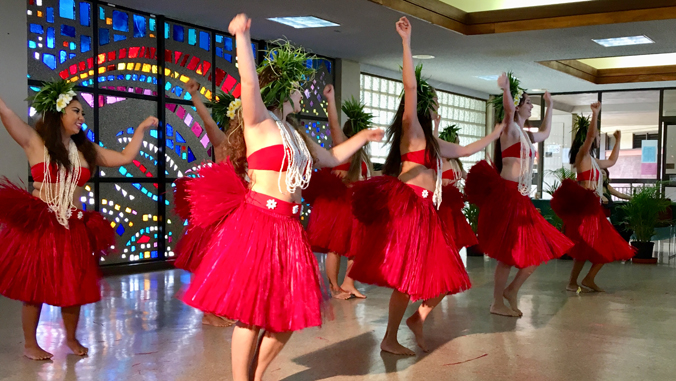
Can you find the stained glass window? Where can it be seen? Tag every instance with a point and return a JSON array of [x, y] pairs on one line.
[[187, 143], [313, 103], [186, 58]]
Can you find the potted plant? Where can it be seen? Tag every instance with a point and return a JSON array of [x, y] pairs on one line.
[[471, 212], [643, 213], [559, 175]]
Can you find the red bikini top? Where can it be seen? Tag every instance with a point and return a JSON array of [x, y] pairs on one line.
[[450, 174], [346, 167], [269, 159], [514, 151], [589, 175], [419, 157], [37, 171]]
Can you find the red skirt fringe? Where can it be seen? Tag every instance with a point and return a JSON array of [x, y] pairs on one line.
[[595, 238], [258, 267], [400, 242], [331, 220], [43, 262], [510, 229], [455, 222]]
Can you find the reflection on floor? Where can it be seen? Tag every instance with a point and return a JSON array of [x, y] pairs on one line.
[[140, 331]]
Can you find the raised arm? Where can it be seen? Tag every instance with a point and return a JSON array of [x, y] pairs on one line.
[[591, 133], [453, 151], [334, 125], [507, 100], [110, 158], [343, 152], [22, 133], [253, 108], [215, 135], [546, 126], [410, 122], [614, 155]]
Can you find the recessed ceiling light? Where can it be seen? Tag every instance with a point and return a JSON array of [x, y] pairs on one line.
[[623, 41], [423, 57], [538, 90], [302, 22], [488, 77]]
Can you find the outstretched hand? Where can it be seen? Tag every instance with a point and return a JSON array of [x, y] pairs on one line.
[[240, 24]]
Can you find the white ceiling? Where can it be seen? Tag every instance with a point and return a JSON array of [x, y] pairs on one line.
[[366, 34]]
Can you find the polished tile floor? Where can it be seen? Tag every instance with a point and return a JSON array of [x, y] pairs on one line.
[[140, 331]]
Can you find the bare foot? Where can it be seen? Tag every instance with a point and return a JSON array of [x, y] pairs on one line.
[[353, 290], [513, 301], [36, 353], [339, 293], [572, 287], [591, 285], [216, 321], [393, 346], [77, 348], [577, 289], [503, 310], [415, 323]]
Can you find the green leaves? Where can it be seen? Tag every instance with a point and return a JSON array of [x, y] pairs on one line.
[[359, 119], [514, 89], [450, 133], [46, 98], [290, 66], [560, 175], [580, 128], [219, 109], [644, 211], [426, 93]]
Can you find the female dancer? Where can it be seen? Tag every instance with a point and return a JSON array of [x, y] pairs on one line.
[[330, 194], [454, 201], [47, 242], [260, 269], [510, 229], [579, 206], [192, 245], [402, 244]]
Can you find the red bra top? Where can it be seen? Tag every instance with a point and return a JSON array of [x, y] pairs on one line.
[[419, 157], [589, 175], [346, 167], [450, 174], [514, 151], [37, 171], [268, 159]]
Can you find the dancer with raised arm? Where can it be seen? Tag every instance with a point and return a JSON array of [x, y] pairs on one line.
[[259, 268], [402, 244], [578, 204], [51, 248], [330, 195], [510, 229]]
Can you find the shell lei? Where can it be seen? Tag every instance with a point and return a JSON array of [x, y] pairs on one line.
[[596, 179], [436, 198], [526, 162], [297, 154], [59, 195]]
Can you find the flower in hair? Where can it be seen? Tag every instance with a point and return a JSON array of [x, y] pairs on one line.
[[220, 109], [53, 96], [517, 94], [233, 107]]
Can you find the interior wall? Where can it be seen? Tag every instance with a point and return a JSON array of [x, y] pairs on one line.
[[13, 84], [347, 82]]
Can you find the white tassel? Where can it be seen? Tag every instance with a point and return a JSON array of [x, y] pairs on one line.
[[438, 186], [59, 195], [299, 158], [526, 162], [596, 179]]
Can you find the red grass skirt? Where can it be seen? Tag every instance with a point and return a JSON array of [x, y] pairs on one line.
[[455, 222], [192, 245], [258, 267], [510, 229], [43, 262], [595, 238], [401, 243], [331, 220]]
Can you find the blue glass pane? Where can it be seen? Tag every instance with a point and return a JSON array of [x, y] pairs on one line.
[[71, 55], [85, 18], [134, 77], [63, 56], [119, 37], [50, 14], [192, 37], [119, 230], [219, 52], [228, 57], [102, 13], [104, 36], [85, 43], [228, 44], [179, 138], [49, 60], [152, 24], [120, 21], [90, 135], [205, 41], [130, 130], [170, 144], [36, 28], [166, 31], [139, 26], [32, 44], [120, 77], [167, 86], [153, 134], [67, 9], [51, 38], [178, 91], [187, 96], [111, 77], [170, 130], [179, 33], [191, 156], [253, 48], [73, 46], [68, 31]]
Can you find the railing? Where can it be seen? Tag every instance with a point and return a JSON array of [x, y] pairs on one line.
[[627, 186]]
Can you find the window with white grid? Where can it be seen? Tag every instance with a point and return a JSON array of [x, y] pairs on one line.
[[381, 97]]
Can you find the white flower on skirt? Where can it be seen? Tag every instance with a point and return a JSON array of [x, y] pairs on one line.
[[425, 193], [80, 215], [271, 204], [295, 209]]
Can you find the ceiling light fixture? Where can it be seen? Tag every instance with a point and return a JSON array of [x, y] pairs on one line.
[[538, 90], [423, 57], [623, 41], [488, 77], [302, 22]]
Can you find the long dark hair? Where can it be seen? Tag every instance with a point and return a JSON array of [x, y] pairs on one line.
[[354, 173], [392, 166], [578, 142], [497, 146], [235, 143], [49, 129]]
